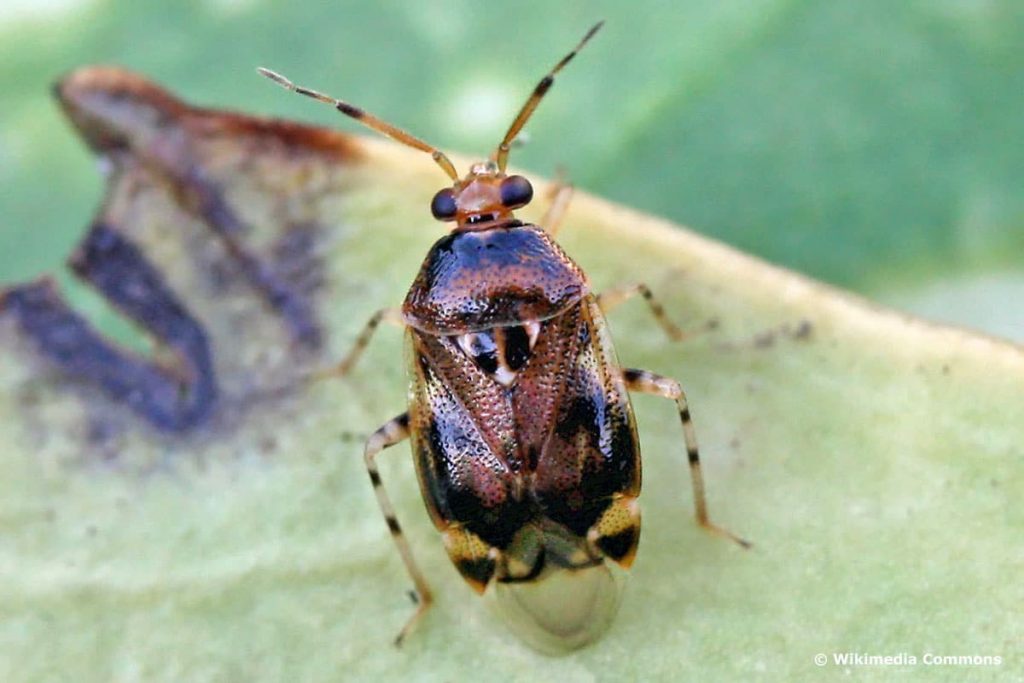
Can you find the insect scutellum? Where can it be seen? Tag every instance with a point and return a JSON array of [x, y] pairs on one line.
[[486, 194]]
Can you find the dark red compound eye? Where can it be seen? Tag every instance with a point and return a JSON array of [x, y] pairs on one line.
[[443, 205], [516, 191]]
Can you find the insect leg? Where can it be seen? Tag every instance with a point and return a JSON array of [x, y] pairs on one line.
[[392, 432], [390, 315], [650, 383], [561, 194], [611, 298]]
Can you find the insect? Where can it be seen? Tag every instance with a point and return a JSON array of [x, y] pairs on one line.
[[523, 437]]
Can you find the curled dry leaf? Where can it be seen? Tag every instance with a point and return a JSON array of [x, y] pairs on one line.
[[193, 512], [207, 238]]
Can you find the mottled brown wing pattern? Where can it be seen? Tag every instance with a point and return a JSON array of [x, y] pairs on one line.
[[541, 385], [592, 453], [463, 441], [559, 444]]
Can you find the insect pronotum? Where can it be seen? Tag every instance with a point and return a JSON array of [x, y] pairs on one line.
[[522, 432]]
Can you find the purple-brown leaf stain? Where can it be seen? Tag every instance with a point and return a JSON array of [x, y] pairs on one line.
[[154, 143]]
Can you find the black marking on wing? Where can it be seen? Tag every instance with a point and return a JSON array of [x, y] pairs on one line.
[[476, 570], [618, 546], [466, 478], [482, 349], [517, 347], [592, 453]]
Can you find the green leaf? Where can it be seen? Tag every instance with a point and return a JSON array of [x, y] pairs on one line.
[[874, 460]]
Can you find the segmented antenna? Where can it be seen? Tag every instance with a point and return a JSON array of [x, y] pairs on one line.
[[501, 154], [366, 119]]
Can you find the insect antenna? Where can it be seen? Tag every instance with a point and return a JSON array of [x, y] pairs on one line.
[[366, 119], [501, 154]]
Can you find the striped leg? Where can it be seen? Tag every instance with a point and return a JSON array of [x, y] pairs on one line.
[[561, 195], [611, 298], [390, 315], [392, 432], [650, 383]]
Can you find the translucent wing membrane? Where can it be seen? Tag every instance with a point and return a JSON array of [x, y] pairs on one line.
[[565, 610]]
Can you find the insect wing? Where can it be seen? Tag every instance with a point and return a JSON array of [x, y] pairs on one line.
[[591, 454], [463, 440]]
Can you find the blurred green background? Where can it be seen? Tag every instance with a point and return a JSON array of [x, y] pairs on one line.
[[876, 145]]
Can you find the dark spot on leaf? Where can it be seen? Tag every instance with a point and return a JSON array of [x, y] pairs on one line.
[[765, 340], [173, 397], [803, 330]]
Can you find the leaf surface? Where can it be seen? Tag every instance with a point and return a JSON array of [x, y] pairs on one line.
[[874, 460]]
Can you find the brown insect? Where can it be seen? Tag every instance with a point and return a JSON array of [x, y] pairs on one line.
[[522, 431]]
